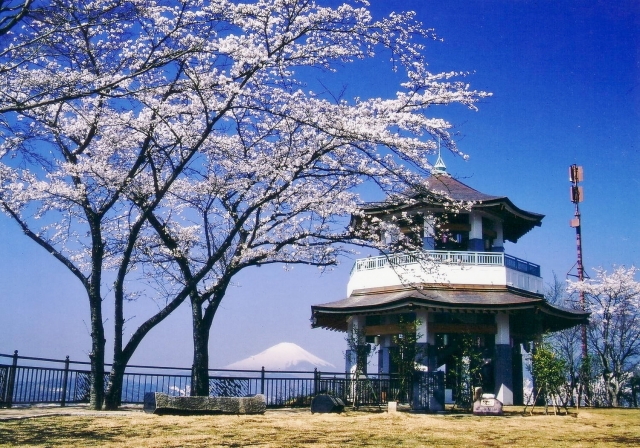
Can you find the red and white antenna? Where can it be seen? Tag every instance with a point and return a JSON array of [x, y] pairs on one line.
[[576, 175]]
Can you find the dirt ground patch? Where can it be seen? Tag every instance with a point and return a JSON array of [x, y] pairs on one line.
[[299, 428]]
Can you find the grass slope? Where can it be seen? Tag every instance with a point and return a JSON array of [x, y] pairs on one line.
[[290, 428]]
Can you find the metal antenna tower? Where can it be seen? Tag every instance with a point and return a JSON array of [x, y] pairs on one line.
[[576, 176]]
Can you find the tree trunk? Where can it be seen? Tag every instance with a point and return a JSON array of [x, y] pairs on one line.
[[613, 393], [113, 397], [97, 356], [202, 322], [200, 368], [95, 303], [97, 369]]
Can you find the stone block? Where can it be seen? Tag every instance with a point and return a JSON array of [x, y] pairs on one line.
[[487, 404], [160, 403], [324, 403]]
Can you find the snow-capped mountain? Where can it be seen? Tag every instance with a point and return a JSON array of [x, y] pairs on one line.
[[282, 356]]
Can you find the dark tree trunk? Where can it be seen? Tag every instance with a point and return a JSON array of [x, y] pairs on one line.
[[95, 304], [202, 322], [97, 348], [200, 368], [122, 355], [97, 359], [113, 397]]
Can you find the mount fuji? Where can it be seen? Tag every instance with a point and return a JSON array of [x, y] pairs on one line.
[[282, 356]]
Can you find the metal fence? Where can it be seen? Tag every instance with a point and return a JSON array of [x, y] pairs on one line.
[[65, 382], [520, 265]]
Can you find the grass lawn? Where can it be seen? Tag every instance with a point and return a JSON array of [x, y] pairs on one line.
[[299, 428]]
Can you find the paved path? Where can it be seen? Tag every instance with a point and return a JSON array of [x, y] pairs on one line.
[[47, 410], [21, 412]]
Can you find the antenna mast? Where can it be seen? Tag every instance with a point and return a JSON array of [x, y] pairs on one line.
[[576, 175]]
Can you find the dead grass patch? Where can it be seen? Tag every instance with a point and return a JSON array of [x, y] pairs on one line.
[[593, 427]]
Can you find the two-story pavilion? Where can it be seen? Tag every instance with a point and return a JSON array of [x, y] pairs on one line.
[[461, 284]]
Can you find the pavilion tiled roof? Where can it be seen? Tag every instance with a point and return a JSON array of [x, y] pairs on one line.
[[517, 221], [458, 191], [467, 298]]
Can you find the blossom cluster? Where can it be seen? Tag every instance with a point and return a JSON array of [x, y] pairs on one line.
[[176, 136]]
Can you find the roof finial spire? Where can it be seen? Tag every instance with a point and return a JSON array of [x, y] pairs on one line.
[[439, 167]]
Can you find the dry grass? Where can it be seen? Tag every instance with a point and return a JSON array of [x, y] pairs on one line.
[[592, 427]]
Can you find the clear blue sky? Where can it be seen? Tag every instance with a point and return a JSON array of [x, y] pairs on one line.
[[566, 83]]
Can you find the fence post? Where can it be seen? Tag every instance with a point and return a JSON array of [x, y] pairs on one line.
[[65, 376], [315, 381], [262, 381], [12, 379]]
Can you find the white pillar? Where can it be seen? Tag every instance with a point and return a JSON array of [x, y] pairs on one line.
[[476, 243], [427, 340], [355, 327], [502, 322], [356, 335], [429, 233], [423, 326], [476, 226], [498, 242]]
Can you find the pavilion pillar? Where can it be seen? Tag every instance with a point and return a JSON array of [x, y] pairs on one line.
[[476, 243], [384, 356], [518, 377], [356, 355], [503, 366], [424, 399], [426, 353], [429, 238], [498, 242]]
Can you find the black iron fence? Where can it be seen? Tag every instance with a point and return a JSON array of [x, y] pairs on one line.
[[64, 382]]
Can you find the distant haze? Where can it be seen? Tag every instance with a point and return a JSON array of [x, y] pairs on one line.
[[282, 356]]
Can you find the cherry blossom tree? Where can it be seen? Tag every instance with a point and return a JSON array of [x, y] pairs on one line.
[[11, 13], [83, 119], [64, 51], [614, 329], [174, 143], [567, 344]]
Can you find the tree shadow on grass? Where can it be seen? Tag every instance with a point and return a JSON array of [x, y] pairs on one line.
[[623, 440], [54, 432]]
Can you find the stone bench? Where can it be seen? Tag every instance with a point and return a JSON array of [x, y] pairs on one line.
[[160, 403]]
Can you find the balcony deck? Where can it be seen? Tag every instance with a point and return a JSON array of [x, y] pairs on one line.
[[448, 267]]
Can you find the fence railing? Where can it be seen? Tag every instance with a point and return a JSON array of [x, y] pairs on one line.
[[447, 257], [41, 383]]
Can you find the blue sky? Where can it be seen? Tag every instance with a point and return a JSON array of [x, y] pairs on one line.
[[565, 78]]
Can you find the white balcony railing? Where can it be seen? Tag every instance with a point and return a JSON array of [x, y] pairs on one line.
[[447, 257], [468, 268]]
